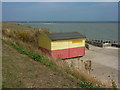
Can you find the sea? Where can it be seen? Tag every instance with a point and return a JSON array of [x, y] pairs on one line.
[[99, 31]]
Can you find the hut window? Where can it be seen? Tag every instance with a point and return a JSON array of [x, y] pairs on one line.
[[77, 41]]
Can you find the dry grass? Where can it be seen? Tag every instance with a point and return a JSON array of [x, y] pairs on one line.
[[29, 40], [27, 35], [21, 71]]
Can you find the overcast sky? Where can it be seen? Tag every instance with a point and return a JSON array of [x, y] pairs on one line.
[[60, 11]]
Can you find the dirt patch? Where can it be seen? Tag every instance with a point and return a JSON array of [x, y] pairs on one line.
[[21, 71]]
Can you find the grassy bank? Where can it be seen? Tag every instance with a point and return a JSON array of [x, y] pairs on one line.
[[26, 42], [21, 71], [41, 59]]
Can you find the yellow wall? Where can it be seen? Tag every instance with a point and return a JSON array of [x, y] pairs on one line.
[[44, 41], [65, 44], [60, 44]]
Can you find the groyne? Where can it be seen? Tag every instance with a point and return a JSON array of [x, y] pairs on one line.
[[103, 43]]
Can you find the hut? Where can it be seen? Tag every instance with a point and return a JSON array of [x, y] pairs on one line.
[[62, 45]]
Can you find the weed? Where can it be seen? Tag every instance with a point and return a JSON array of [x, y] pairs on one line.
[[114, 84], [33, 75], [29, 70], [36, 75], [85, 84], [65, 85], [55, 87], [33, 86], [68, 69], [70, 77], [71, 65], [4, 84], [48, 82], [20, 83]]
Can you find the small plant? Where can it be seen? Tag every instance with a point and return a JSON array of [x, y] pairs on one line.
[[29, 70], [55, 87], [85, 84], [33, 86], [81, 60], [48, 82], [68, 69], [4, 84], [65, 85], [70, 77], [36, 75], [20, 83], [114, 84]]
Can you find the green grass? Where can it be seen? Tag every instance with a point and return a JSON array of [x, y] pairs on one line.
[[31, 54]]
